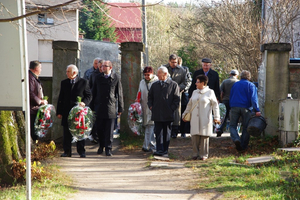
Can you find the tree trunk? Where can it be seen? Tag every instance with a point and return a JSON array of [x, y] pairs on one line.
[[12, 142]]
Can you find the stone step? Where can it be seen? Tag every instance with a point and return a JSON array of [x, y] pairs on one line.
[[261, 159], [289, 149], [167, 164]]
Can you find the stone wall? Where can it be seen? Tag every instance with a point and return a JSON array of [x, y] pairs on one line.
[[91, 49]]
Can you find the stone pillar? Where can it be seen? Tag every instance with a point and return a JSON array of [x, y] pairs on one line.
[[131, 74], [64, 53], [273, 82]]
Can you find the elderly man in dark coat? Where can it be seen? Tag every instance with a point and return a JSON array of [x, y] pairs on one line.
[[107, 101], [213, 78], [163, 100], [179, 75], [70, 89]]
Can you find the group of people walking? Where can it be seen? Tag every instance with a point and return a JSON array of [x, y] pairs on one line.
[[161, 100], [165, 99], [105, 98]]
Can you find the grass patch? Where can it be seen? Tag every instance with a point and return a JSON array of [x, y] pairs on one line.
[[58, 187], [278, 179], [131, 142]]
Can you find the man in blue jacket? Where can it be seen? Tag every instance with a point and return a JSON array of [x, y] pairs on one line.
[[243, 100]]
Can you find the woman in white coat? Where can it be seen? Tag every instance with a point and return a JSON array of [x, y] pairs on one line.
[[145, 84], [204, 101]]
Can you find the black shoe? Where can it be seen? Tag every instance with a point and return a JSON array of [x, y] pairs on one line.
[[100, 150], [108, 153], [145, 150], [65, 155], [174, 131], [183, 135], [158, 153], [219, 133], [238, 145], [82, 155], [194, 157]]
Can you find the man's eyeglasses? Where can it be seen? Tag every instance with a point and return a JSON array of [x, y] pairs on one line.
[[104, 66]]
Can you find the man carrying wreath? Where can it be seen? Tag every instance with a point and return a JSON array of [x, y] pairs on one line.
[[70, 89]]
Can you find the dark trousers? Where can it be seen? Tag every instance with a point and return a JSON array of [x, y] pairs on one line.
[[184, 126], [226, 103], [67, 143], [94, 132], [162, 132], [34, 137], [105, 129]]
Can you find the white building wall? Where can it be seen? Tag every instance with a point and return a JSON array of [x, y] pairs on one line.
[[40, 36]]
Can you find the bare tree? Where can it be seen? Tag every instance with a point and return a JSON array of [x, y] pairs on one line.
[[281, 23], [228, 32], [162, 40]]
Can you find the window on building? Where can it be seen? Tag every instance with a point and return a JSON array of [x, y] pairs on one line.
[[43, 18]]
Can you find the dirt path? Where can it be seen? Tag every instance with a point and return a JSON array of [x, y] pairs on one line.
[[130, 176]]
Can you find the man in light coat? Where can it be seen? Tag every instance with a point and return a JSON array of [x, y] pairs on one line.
[[163, 100]]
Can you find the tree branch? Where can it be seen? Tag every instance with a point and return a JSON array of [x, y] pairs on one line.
[[36, 12]]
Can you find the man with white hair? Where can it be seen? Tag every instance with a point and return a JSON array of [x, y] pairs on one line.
[[70, 89], [225, 94], [163, 100]]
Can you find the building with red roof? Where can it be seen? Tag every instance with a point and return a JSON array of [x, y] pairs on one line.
[[127, 20]]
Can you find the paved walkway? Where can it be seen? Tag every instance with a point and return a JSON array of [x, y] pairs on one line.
[[128, 177]]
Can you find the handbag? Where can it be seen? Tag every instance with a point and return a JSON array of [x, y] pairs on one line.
[[187, 116]]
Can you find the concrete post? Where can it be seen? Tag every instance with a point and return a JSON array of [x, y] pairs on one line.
[[131, 74], [273, 82], [64, 53]]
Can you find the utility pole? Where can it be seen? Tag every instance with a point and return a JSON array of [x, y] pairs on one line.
[[144, 21]]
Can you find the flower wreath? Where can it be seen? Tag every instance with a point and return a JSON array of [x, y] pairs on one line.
[[80, 121], [135, 118], [44, 119]]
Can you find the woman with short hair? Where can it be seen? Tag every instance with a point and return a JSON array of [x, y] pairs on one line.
[[201, 105], [144, 87]]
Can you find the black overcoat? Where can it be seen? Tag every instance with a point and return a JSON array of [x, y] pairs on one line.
[[213, 82], [67, 98], [164, 100], [107, 96]]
